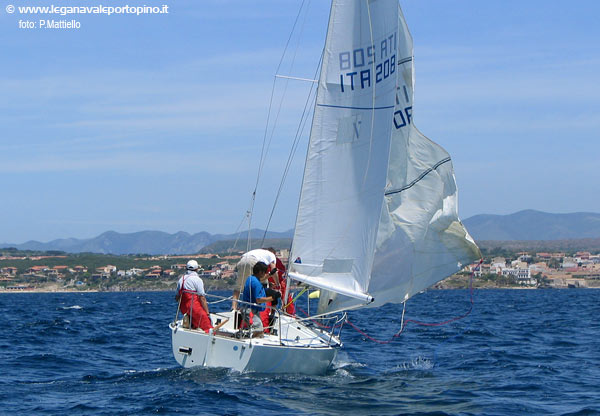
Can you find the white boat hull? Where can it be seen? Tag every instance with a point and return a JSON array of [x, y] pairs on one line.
[[299, 349]]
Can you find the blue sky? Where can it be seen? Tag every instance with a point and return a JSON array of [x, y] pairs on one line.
[[156, 122]]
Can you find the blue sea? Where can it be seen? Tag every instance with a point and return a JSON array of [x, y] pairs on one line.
[[518, 352]]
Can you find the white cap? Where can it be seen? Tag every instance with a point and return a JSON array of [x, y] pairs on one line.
[[192, 265]]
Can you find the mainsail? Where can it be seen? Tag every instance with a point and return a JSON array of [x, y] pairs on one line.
[[377, 219]]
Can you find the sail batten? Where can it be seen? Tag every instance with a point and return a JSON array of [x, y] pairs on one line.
[[421, 176], [387, 107]]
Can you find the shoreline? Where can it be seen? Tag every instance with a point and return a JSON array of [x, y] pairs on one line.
[[42, 290]]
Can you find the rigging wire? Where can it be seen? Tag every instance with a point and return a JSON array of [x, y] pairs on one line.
[[295, 144], [287, 79], [238, 231], [317, 323], [265, 146], [263, 151]]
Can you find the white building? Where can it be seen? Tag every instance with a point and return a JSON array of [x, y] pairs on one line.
[[538, 268], [134, 272], [211, 274], [569, 262], [518, 264], [498, 262], [524, 257], [521, 276]]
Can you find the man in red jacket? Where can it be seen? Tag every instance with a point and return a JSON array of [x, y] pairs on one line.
[[190, 291]]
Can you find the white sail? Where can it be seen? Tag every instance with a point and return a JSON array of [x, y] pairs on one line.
[[346, 166], [421, 239], [400, 235]]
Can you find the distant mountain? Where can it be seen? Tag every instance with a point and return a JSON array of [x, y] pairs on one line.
[[526, 225], [147, 242], [224, 246], [570, 245], [534, 225]]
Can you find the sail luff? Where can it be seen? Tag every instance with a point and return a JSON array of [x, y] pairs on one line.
[[331, 12]]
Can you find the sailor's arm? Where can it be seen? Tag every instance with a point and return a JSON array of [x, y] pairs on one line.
[[204, 304]]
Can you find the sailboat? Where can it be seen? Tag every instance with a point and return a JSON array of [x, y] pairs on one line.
[[377, 219]]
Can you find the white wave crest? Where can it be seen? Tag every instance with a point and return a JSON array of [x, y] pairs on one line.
[[418, 363]]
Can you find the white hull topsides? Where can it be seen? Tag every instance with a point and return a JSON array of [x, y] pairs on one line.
[[295, 349]]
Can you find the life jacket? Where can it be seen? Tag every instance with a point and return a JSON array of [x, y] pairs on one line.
[[190, 304]]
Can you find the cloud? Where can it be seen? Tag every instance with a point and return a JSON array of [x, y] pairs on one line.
[[201, 99]]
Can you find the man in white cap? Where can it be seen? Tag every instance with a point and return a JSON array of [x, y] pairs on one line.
[[190, 290], [245, 265]]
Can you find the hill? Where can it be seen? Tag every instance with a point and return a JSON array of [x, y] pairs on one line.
[[534, 225], [147, 242], [537, 246], [224, 246], [535, 228]]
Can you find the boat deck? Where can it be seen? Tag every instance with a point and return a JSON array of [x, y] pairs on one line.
[[286, 331]]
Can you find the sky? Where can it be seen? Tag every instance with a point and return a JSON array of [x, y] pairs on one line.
[[156, 122]]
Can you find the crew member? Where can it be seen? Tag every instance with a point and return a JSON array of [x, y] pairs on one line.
[[267, 316], [279, 283], [245, 267], [254, 293], [190, 291]]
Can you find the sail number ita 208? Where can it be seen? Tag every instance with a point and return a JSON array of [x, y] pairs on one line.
[[362, 67]]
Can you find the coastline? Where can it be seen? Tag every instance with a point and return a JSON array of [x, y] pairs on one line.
[[141, 290]]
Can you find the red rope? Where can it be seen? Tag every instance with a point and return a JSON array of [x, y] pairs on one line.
[[458, 318]]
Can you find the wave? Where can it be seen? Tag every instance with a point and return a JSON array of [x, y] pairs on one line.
[[418, 363], [113, 356], [76, 307]]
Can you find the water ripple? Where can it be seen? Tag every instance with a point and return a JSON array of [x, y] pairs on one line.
[[519, 352]]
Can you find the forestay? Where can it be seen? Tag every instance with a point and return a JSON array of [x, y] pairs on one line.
[[378, 218]]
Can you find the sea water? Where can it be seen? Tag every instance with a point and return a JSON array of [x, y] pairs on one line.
[[518, 352]]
